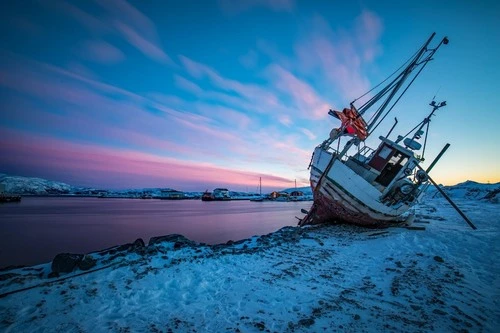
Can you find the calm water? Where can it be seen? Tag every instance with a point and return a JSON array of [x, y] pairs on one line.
[[36, 229]]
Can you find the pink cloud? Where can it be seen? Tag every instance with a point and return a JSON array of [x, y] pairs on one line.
[[236, 7], [262, 99], [136, 28], [127, 12], [224, 115], [197, 131], [302, 94], [82, 161], [142, 44], [187, 85], [369, 30], [90, 22], [308, 133], [341, 55], [122, 19], [285, 119], [103, 52]]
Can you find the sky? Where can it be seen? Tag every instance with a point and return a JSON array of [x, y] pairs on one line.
[[195, 95]]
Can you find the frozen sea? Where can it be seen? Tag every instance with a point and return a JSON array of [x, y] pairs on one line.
[[36, 229]]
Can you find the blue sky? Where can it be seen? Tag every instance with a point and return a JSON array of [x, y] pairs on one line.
[[202, 94]]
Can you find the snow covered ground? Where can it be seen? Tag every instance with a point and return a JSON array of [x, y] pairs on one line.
[[313, 279]]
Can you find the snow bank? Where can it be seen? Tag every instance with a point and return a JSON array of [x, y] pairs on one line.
[[468, 190], [29, 185], [322, 278]]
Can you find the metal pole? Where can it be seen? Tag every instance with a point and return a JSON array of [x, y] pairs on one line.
[[450, 201], [445, 148], [392, 128]]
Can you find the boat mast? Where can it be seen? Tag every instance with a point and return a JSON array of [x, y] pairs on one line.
[[421, 125], [393, 87]]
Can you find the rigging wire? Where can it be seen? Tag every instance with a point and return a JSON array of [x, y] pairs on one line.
[[387, 78], [425, 62]]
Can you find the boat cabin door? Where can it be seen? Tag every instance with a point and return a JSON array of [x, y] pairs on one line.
[[381, 157], [388, 161]]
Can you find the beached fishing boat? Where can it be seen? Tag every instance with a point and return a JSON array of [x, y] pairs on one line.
[[219, 194], [354, 183]]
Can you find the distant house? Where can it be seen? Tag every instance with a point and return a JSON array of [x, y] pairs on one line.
[[274, 195], [280, 196], [171, 194], [221, 194], [296, 193]]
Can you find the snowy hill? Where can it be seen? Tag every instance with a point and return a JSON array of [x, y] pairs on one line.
[[468, 190], [30, 185], [306, 190]]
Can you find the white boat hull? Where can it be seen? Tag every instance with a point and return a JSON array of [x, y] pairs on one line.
[[344, 196]]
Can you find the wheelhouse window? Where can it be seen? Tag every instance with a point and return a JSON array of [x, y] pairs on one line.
[[392, 168]]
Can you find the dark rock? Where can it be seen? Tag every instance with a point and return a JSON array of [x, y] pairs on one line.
[[136, 245], [306, 322], [173, 238], [439, 312], [11, 267], [8, 276], [261, 326], [87, 263], [65, 262], [438, 259], [124, 247], [139, 243], [53, 275], [357, 317]]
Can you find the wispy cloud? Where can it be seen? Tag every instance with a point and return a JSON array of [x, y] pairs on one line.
[[308, 133], [132, 168], [302, 94], [122, 19], [102, 52], [88, 110], [262, 99], [187, 85], [285, 119], [369, 28], [89, 21], [237, 7], [341, 55], [148, 47]]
